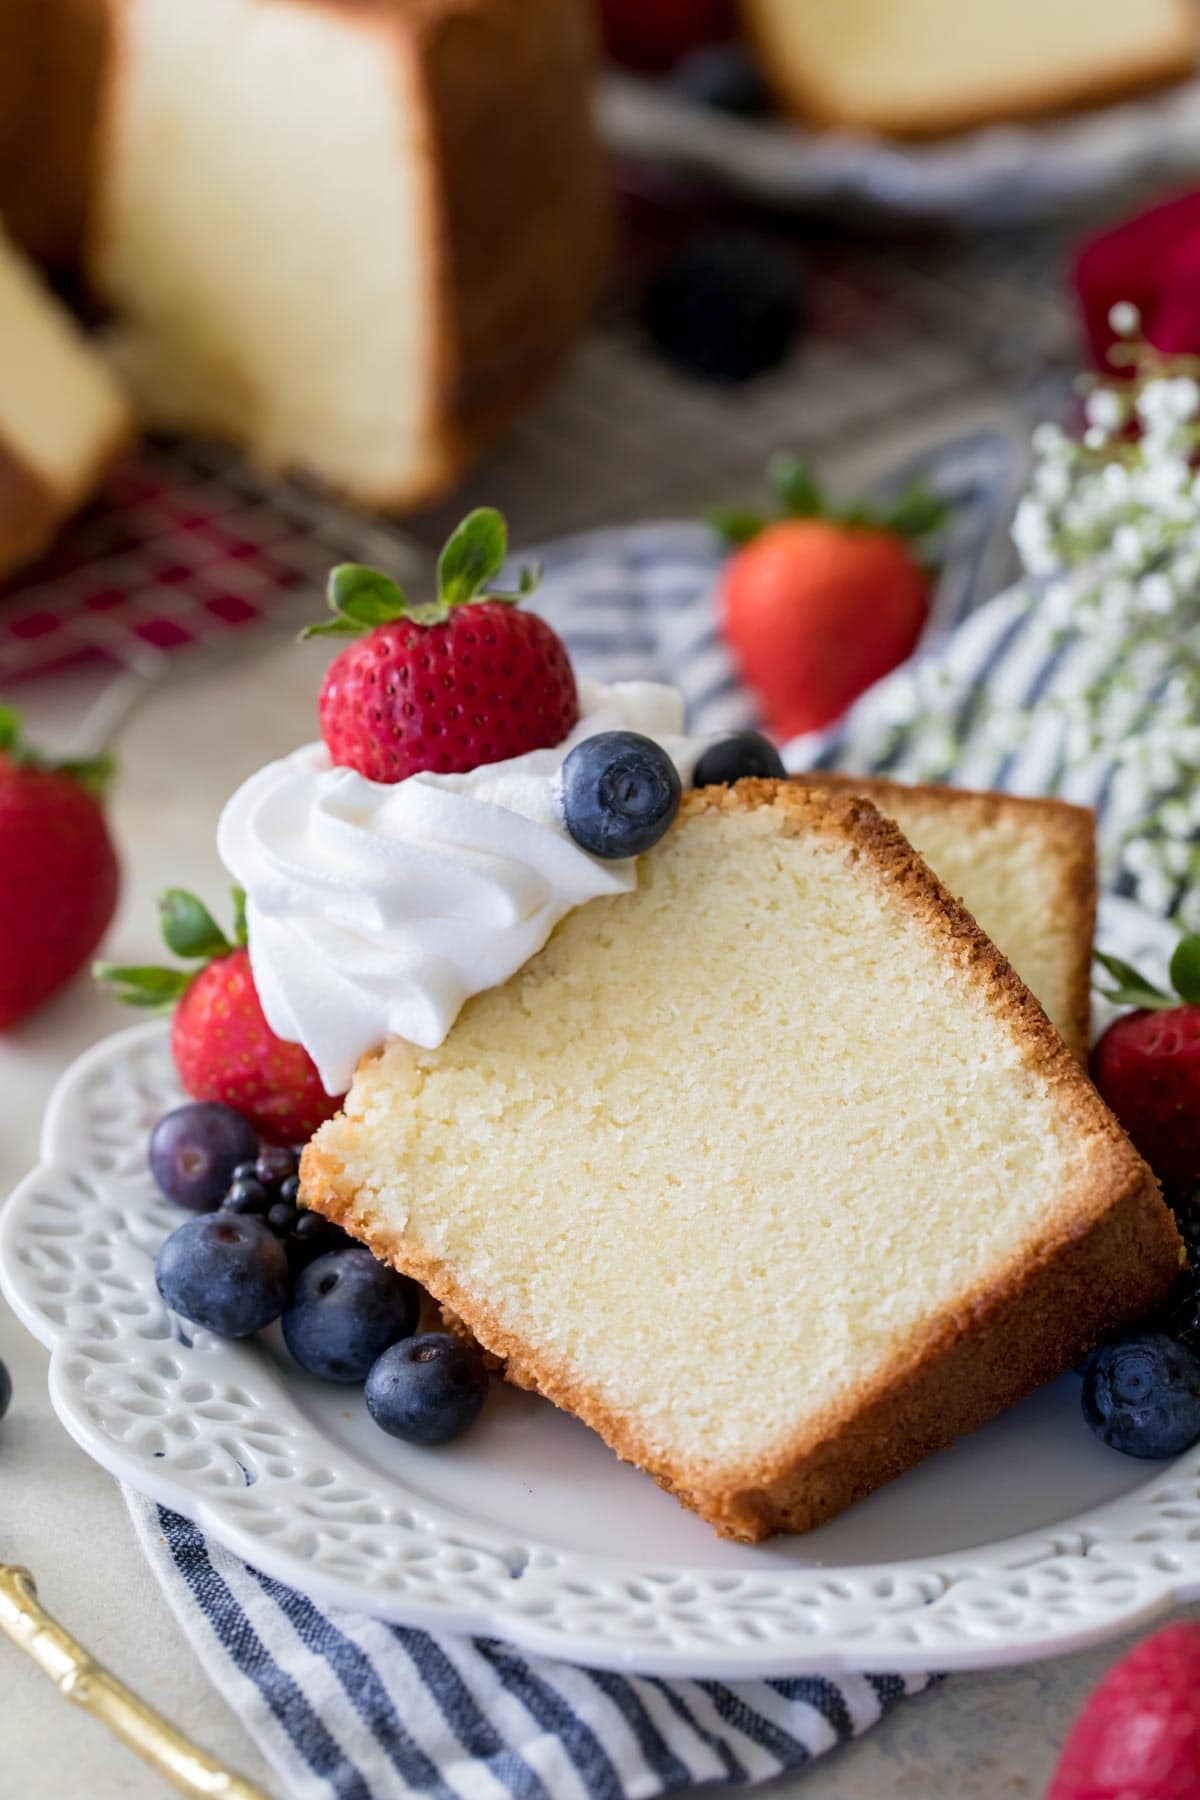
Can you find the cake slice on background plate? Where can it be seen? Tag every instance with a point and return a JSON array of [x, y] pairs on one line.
[[356, 240], [1024, 869], [63, 418], [770, 1170], [922, 68]]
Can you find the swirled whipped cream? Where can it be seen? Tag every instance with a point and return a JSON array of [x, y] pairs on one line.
[[376, 911]]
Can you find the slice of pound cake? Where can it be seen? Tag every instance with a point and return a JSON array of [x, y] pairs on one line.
[[1024, 869], [770, 1170]]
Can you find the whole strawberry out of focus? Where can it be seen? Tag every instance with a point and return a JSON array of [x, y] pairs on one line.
[[446, 685], [817, 604], [58, 869], [1138, 1737], [1147, 1064], [221, 1043]]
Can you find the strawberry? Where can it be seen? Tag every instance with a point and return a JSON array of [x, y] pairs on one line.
[[1138, 1737], [653, 34], [1147, 1064], [58, 870], [220, 1040], [465, 680], [817, 605]]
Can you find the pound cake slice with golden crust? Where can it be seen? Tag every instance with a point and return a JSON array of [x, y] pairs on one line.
[[1024, 869], [785, 1082]]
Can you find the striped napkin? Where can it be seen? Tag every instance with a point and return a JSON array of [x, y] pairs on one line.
[[345, 1706]]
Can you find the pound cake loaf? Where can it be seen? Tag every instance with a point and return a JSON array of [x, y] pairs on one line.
[[1024, 869], [63, 419], [354, 238], [921, 68], [770, 1170]]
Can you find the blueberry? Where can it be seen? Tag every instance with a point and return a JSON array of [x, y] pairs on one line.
[[727, 306], [428, 1389], [282, 1218], [195, 1150], [620, 792], [346, 1309], [289, 1189], [275, 1164], [5, 1390], [225, 1271], [727, 77], [733, 758], [1141, 1395]]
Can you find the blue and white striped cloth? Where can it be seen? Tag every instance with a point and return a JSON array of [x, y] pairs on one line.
[[348, 1707]]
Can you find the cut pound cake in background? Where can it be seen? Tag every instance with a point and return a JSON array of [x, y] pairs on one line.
[[63, 419], [771, 1170], [921, 68], [355, 239], [1024, 869]]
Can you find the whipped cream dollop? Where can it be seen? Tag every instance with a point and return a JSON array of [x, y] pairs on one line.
[[376, 911]]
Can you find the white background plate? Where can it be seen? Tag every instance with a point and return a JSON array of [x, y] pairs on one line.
[[1028, 1539], [998, 174]]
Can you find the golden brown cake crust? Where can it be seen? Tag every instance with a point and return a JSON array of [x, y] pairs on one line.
[[1108, 1257], [31, 511], [1073, 831], [51, 58]]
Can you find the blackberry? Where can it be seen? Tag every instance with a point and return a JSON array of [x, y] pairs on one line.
[[726, 307]]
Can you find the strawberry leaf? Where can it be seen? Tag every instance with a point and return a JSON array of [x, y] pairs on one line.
[[241, 935], [1132, 989], [10, 728], [188, 927], [917, 513], [795, 487], [364, 596], [738, 525], [1185, 969], [472, 556], [93, 773], [143, 986]]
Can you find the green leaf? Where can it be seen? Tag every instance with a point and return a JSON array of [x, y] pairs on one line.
[[364, 596], [737, 525], [794, 486], [472, 556], [241, 935], [1185, 969], [1132, 989], [917, 513], [188, 927], [140, 985], [94, 773], [10, 728], [527, 581], [331, 628]]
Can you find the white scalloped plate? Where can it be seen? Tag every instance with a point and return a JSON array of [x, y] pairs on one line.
[[998, 174], [1028, 1539]]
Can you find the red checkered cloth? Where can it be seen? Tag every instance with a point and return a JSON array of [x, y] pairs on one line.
[[185, 547]]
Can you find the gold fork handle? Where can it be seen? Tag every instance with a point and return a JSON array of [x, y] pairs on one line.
[[79, 1678]]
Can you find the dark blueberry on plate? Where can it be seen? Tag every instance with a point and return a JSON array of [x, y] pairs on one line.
[[283, 1218], [275, 1164], [427, 1389], [5, 1390], [733, 758], [727, 77], [226, 1271], [726, 307], [195, 1150], [314, 1236], [346, 1309], [289, 1189], [1141, 1395], [620, 792]]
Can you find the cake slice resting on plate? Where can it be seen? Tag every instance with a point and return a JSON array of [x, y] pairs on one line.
[[771, 1170]]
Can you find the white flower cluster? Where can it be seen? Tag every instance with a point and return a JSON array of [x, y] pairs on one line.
[[1109, 536]]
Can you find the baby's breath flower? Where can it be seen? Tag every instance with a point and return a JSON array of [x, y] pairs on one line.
[[1125, 319]]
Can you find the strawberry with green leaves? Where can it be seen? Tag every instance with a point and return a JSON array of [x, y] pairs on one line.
[[817, 603], [465, 679], [1147, 1063], [58, 869], [220, 1040]]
